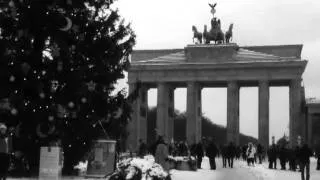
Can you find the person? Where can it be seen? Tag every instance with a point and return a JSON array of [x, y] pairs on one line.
[[199, 153], [211, 152], [183, 149], [5, 147], [292, 159], [231, 153], [162, 153], [260, 153], [142, 149], [303, 154], [317, 154], [251, 151], [283, 153], [224, 154], [272, 156], [244, 152]]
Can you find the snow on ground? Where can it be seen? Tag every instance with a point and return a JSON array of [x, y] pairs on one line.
[[242, 171]]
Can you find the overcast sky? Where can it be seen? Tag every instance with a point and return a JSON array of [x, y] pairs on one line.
[[166, 24]]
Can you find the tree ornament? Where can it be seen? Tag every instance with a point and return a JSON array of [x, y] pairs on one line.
[[14, 111], [25, 67], [12, 78], [11, 4], [69, 2], [91, 86], [54, 85], [42, 95], [83, 100], [50, 118], [71, 104], [68, 25]]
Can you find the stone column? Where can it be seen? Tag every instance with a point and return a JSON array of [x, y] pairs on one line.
[[309, 131], [162, 110], [295, 110], [193, 113], [263, 122], [137, 127], [143, 94], [171, 114], [233, 112]]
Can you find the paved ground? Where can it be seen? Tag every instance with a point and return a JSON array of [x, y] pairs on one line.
[[240, 172]]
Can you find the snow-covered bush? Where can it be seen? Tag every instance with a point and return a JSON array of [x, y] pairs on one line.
[[139, 169]]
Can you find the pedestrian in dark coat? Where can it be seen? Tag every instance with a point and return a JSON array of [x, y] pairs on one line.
[[5, 148], [199, 153], [231, 154], [292, 159], [183, 149], [317, 154], [224, 154], [304, 153], [211, 152], [272, 156], [283, 156]]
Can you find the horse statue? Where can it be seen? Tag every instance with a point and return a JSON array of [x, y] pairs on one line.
[[197, 35], [215, 34], [228, 35]]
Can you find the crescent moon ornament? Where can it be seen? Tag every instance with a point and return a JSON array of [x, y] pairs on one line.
[[68, 26]]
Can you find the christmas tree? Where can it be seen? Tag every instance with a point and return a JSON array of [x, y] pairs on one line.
[[59, 63]]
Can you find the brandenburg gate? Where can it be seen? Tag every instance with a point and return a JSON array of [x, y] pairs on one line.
[[209, 65]]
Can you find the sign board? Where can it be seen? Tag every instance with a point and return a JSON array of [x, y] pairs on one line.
[[51, 162], [101, 160]]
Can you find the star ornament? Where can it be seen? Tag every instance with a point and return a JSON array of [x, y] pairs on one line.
[[91, 86]]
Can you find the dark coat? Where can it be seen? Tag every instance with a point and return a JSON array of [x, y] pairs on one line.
[[212, 150], [231, 150], [259, 149], [273, 152], [284, 153], [199, 150], [304, 153]]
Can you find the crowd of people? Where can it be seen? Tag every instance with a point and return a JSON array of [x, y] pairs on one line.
[[295, 158]]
